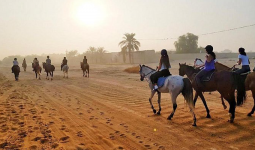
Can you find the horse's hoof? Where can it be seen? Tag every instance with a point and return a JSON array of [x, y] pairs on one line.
[[208, 116], [194, 124], [231, 120], [249, 114], [158, 113], [169, 118], [154, 111]]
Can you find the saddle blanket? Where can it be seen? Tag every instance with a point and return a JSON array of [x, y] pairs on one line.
[[161, 81]]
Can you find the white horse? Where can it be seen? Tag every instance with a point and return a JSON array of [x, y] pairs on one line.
[[65, 69], [173, 85]]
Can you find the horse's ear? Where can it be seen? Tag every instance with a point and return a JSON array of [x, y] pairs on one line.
[[179, 64], [140, 65], [185, 63]]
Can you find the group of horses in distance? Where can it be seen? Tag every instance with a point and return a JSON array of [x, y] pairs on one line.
[[223, 80], [49, 69]]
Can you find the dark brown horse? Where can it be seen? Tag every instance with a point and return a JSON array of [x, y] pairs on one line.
[[49, 69], [224, 82], [85, 69], [16, 71]]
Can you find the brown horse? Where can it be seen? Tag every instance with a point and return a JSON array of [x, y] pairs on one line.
[[49, 69], [38, 70], [24, 65], [222, 81], [249, 83], [85, 69]]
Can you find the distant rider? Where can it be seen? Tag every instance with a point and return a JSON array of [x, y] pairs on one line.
[[15, 63], [35, 63], [64, 62]]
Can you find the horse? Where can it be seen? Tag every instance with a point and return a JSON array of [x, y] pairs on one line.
[[16, 71], [249, 83], [174, 85], [85, 69], [49, 70], [38, 70], [218, 67], [24, 65], [224, 82], [65, 69]]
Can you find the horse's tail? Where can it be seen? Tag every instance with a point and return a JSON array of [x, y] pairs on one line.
[[187, 92], [240, 87]]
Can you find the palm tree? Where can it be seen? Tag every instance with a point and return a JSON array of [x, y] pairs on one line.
[[101, 51], [130, 43]]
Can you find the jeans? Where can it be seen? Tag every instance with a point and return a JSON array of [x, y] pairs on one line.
[[244, 69]]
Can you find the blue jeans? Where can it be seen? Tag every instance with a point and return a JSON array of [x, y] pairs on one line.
[[244, 69]]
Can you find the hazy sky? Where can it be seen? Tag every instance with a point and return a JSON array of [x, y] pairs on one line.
[[54, 26]]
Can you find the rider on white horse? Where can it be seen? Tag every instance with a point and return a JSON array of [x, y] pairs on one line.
[[64, 62], [163, 69]]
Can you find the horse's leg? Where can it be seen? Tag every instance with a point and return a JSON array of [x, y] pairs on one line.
[[88, 73], [195, 98], [253, 109], [159, 103], [173, 97], [35, 75], [152, 107], [232, 107], [39, 75], [200, 94], [51, 77], [223, 104]]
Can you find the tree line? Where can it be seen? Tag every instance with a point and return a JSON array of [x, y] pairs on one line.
[[187, 43]]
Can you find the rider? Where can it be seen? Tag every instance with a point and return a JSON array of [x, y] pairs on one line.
[[244, 60], [163, 69], [208, 66], [48, 61], [15, 63], [35, 63], [85, 61], [24, 61], [64, 62]]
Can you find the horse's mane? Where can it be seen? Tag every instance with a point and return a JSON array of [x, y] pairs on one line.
[[148, 67], [222, 65]]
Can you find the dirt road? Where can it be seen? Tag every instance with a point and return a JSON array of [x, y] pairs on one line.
[[110, 110]]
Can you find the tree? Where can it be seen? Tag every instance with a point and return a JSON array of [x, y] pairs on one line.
[[187, 44], [72, 53], [131, 44], [92, 51], [101, 51]]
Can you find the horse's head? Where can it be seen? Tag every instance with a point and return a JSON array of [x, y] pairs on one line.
[[182, 69], [142, 75]]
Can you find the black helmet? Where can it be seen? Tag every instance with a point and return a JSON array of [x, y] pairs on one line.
[[15, 58], [163, 52], [48, 56], [209, 48]]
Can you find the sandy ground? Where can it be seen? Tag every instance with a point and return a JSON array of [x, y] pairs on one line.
[[110, 111]]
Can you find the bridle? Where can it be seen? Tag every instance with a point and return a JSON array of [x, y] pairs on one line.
[[144, 75]]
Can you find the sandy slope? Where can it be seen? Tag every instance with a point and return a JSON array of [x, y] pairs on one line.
[[108, 111]]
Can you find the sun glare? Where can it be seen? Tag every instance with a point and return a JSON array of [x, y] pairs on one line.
[[89, 13]]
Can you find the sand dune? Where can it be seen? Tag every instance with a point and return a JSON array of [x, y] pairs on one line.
[[110, 111]]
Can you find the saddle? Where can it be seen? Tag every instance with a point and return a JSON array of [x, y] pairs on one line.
[[208, 76], [161, 81]]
